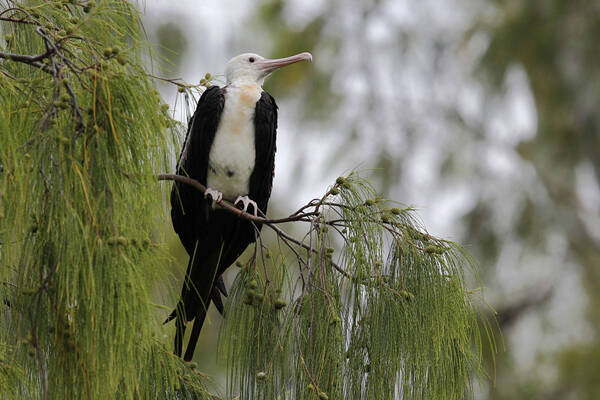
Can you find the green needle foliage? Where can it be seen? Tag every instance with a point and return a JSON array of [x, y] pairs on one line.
[[385, 316], [82, 134], [365, 306]]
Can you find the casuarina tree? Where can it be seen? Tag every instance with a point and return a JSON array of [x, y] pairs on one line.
[[364, 304]]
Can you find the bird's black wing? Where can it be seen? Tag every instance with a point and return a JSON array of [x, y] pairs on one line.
[[265, 132], [188, 207], [189, 210]]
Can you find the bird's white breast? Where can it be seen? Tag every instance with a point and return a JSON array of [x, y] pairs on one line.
[[233, 153]]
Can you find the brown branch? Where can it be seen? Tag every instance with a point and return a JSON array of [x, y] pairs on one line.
[[14, 78], [282, 233], [175, 81], [17, 21], [25, 58], [509, 313], [271, 223], [228, 204]]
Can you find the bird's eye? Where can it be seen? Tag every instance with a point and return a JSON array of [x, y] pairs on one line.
[[251, 59]]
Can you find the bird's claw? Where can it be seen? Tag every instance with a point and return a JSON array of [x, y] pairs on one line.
[[246, 202], [215, 195]]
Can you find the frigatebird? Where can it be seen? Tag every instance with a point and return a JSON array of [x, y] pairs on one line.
[[229, 148]]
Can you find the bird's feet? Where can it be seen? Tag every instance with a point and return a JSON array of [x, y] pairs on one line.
[[246, 202], [215, 195]]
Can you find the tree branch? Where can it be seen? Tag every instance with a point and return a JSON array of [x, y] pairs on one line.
[[227, 204], [271, 223], [25, 58]]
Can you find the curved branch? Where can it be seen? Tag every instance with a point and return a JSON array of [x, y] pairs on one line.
[[25, 58], [271, 223], [228, 204]]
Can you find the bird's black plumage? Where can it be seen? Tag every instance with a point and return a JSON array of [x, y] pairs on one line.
[[215, 238]]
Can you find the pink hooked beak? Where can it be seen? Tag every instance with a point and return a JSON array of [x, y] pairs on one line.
[[271, 65]]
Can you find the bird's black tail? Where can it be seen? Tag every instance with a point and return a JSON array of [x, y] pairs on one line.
[[218, 290], [198, 322], [199, 288]]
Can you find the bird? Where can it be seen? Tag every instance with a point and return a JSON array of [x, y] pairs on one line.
[[230, 149]]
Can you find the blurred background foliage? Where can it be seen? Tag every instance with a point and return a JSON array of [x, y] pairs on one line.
[[483, 114]]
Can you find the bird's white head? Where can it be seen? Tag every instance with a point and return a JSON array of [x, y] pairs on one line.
[[252, 68]]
